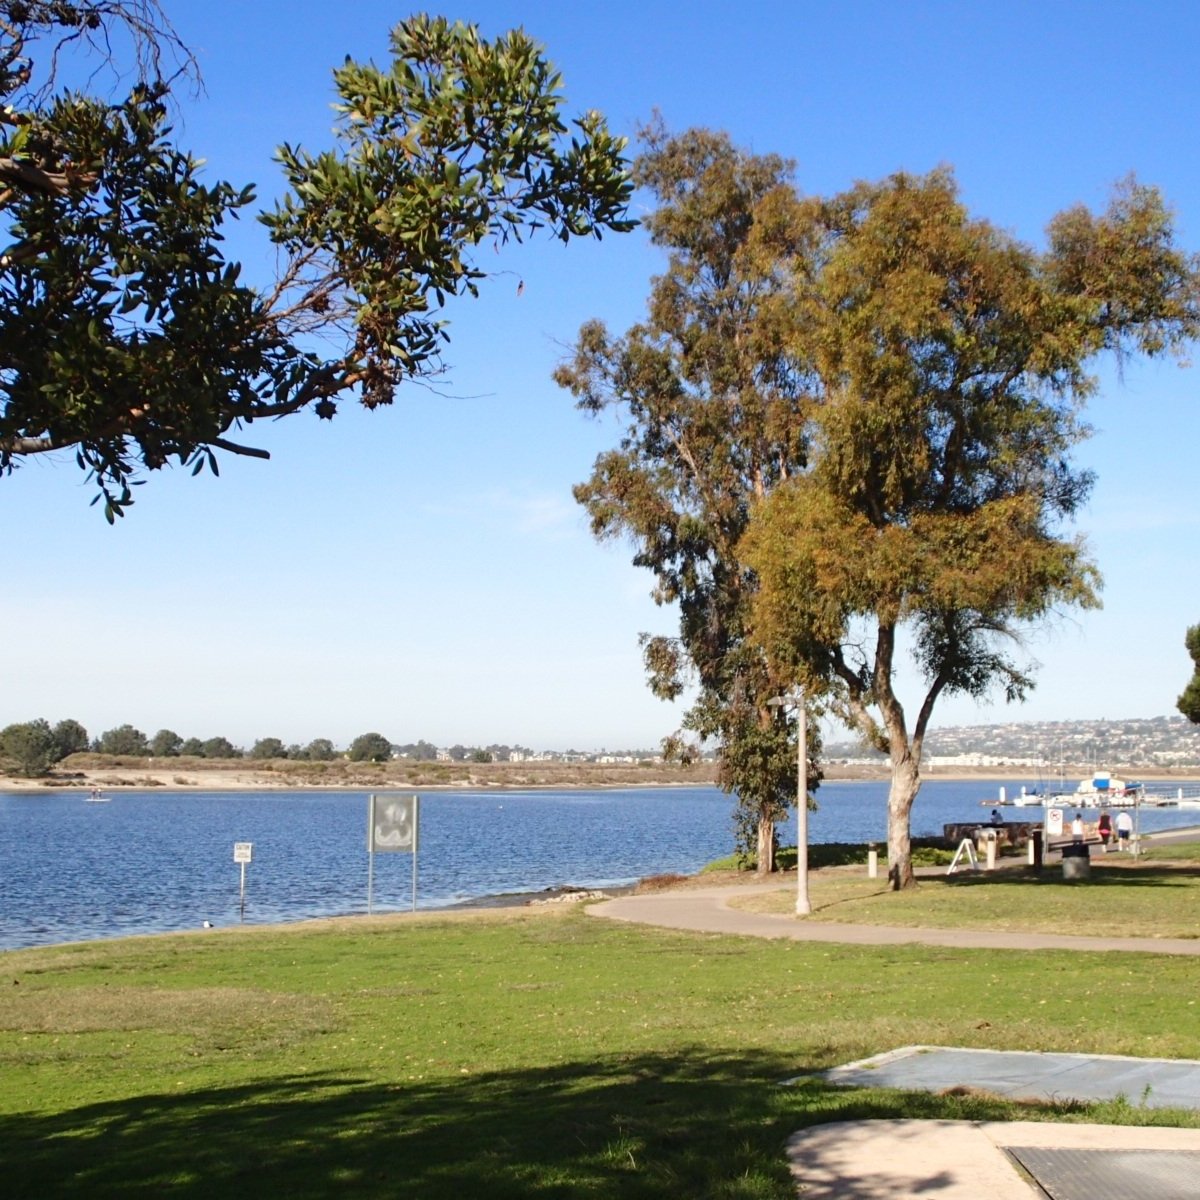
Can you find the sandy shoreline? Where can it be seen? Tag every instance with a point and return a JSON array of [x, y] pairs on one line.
[[241, 777]]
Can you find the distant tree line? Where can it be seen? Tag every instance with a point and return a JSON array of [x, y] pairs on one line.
[[33, 747]]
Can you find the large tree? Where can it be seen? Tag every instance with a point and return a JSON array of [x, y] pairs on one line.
[[707, 395], [126, 335], [944, 367]]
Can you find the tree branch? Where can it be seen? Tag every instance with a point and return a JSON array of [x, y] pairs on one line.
[[28, 177], [234, 448]]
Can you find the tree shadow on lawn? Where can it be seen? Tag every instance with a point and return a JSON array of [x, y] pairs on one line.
[[1103, 874], [650, 1125]]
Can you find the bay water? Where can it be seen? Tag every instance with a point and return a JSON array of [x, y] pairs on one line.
[[150, 862]]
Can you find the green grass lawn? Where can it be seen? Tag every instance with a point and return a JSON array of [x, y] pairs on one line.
[[1156, 897], [532, 1052]]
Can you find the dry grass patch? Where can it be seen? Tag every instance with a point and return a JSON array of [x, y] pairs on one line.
[[205, 1019]]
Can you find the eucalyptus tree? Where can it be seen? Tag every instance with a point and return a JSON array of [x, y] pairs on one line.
[[126, 335], [706, 392], [945, 367]]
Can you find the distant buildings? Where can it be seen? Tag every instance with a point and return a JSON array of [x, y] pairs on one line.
[[1074, 746]]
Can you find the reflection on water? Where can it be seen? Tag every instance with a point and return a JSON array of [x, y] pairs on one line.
[[152, 862]]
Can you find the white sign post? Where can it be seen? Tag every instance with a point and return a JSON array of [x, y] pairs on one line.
[[392, 825], [243, 852]]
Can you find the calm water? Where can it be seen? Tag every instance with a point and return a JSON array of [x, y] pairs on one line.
[[151, 862]]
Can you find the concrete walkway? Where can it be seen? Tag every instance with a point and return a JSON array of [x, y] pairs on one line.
[[708, 910], [968, 1160]]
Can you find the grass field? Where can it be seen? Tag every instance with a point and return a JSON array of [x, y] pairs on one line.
[[528, 1052], [1157, 897]]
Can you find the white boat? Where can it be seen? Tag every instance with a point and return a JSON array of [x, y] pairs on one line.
[[96, 797]]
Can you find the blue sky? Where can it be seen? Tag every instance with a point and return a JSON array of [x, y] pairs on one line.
[[423, 571]]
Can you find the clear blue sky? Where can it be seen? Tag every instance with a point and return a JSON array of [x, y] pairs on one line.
[[424, 571]]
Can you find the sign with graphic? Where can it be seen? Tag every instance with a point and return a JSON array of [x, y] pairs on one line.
[[1054, 822], [392, 824]]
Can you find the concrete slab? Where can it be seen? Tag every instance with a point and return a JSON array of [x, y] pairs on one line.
[[1111, 1174], [970, 1160], [1023, 1075]]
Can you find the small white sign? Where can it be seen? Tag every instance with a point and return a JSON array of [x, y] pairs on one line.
[[1054, 821], [243, 852]]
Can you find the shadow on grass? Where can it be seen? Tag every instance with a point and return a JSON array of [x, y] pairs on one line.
[[1103, 874], [647, 1126]]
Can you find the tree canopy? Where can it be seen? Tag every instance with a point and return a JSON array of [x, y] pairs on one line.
[[1189, 701], [370, 747], [709, 399], [124, 739], [29, 746], [127, 336], [944, 368]]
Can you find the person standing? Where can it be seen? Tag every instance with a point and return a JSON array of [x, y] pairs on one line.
[[1077, 828], [1124, 828], [1104, 829]]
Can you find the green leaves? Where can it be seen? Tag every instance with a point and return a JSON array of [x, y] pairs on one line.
[[453, 145], [123, 331]]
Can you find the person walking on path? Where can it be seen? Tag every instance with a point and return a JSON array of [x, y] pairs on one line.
[[1124, 829]]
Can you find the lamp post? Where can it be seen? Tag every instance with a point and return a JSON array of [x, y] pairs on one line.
[[795, 699]]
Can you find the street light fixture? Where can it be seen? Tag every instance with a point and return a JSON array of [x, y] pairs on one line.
[[795, 699]]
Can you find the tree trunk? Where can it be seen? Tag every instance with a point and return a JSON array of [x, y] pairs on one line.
[[766, 845], [906, 782]]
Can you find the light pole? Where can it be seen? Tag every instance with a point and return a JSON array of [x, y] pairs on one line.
[[795, 699]]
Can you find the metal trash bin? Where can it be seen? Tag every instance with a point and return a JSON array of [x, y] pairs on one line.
[[1076, 862]]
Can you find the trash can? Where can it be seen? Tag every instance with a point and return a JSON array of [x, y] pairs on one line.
[[1076, 862]]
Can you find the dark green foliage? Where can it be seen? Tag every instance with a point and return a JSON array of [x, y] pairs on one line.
[[1189, 702], [124, 332], [319, 750], [166, 743], [219, 747], [69, 738], [270, 747], [30, 747], [370, 747], [124, 739]]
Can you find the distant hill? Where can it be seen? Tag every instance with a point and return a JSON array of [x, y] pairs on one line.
[[1162, 742]]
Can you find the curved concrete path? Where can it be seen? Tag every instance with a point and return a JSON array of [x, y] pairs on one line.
[[708, 910]]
